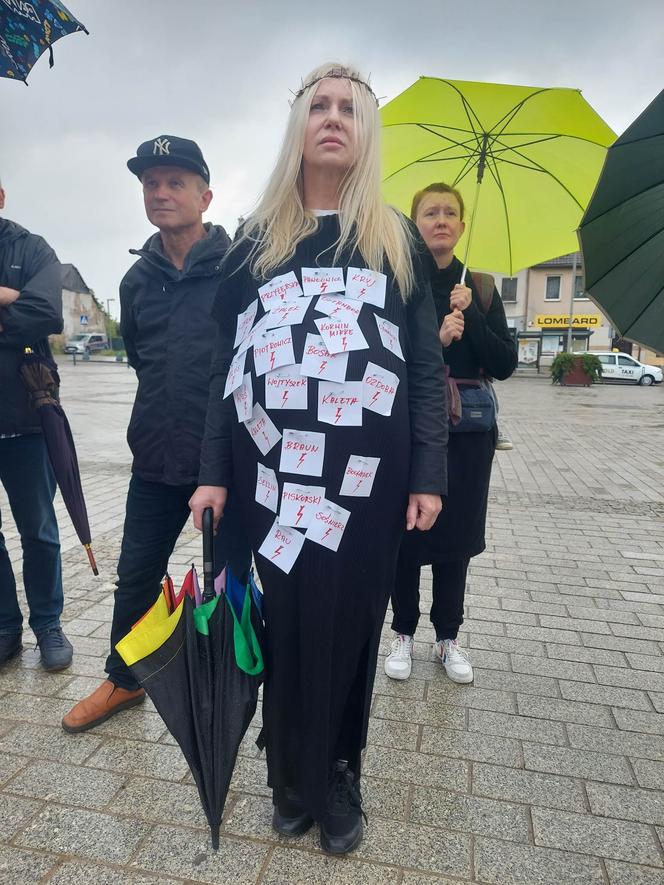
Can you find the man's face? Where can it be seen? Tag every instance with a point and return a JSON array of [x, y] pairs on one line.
[[2, 198], [175, 199]]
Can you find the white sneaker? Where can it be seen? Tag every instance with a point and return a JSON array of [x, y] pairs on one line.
[[398, 663], [504, 443], [454, 659]]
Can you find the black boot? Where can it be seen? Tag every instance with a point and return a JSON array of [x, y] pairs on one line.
[[341, 829], [290, 818]]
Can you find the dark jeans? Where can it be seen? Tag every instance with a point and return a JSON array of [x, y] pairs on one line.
[[26, 474], [449, 586], [156, 514]]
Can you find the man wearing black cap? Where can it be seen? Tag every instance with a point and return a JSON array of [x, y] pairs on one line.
[[166, 300]]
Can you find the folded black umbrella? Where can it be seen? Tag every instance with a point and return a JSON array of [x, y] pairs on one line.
[[40, 376]]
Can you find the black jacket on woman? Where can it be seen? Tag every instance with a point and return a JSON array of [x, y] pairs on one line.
[[486, 347]]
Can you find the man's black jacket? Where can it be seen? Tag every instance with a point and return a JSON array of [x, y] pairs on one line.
[[169, 334], [27, 263]]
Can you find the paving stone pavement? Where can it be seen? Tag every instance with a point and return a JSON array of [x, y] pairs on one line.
[[549, 769]]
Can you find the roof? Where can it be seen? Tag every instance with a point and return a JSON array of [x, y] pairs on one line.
[[73, 281], [563, 261]]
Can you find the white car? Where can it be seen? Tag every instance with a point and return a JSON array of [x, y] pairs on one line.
[[86, 343], [622, 367]]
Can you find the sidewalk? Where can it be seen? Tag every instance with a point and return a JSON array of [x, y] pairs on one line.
[[550, 769]]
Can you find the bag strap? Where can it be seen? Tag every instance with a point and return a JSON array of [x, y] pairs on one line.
[[485, 284]]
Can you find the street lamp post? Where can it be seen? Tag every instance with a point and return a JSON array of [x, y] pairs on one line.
[[108, 316]]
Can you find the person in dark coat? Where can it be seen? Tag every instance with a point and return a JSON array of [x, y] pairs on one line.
[[30, 311], [166, 324], [476, 344], [333, 419]]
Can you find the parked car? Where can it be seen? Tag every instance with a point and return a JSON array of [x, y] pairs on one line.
[[86, 343], [622, 367]]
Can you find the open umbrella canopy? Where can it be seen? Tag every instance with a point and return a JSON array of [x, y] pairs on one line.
[[537, 153], [622, 232], [29, 29]]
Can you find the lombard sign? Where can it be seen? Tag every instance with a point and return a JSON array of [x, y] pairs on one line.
[[561, 321]]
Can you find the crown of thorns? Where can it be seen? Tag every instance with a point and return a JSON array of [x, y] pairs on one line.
[[338, 74]]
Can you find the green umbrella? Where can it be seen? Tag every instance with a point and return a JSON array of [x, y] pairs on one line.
[[525, 160], [622, 232]]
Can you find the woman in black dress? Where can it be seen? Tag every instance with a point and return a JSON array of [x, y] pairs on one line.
[[476, 343], [326, 413]]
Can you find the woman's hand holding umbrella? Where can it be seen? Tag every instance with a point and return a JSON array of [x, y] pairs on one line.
[[452, 327], [208, 496]]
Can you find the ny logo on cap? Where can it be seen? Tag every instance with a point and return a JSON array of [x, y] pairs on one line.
[[162, 147]]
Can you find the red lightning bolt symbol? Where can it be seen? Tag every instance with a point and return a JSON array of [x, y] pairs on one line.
[[301, 461], [327, 532], [323, 285], [375, 397], [322, 366], [284, 397], [272, 360], [277, 551], [300, 514], [359, 483], [343, 343], [267, 494], [266, 437], [363, 292], [338, 415]]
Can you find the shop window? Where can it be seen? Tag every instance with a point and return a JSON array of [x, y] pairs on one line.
[[552, 289], [508, 288], [550, 345]]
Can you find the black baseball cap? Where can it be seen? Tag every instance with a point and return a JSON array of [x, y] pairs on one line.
[[169, 150]]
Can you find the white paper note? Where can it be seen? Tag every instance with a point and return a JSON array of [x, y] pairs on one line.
[[340, 404], [253, 335], [302, 452], [282, 546], [318, 362], [267, 488], [365, 285], [244, 399], [289, 314], [286, 388], [341, 336], [359, 476], [379, 388], [327, 525], [262, 430], [244, 322], [389, 335], [235, 373], [322, 280], [299, 503], [280, 289], [272, 349], [338, 307]]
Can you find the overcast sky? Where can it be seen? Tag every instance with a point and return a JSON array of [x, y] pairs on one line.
[[221, 73]]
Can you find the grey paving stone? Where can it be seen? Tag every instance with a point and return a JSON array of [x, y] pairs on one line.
[[80, 687], [649, 774], [501, 616], [555, 668], [577, 763], [605, 694], [250, 776], [628, 678], [532, 787], [652, 663], [69, 784], [78, 626], [416, 768], [618, 839], [606, 614], [190, 855], [617, 643], [391, 733], [462, 745], [516, 727], [630, 874], [34, 708], [637, 720], [406, 688], [469, 814], [543, 634], [152, 800], [47, 742], [417, 847], [539, 608], [657, 700], [637, 632], [505, 644], [627, 803], [10, 764], [32, 682], [607, 740], [83, 833], [517, 682], [81, 873], [292, 866], [135, 724], [88, 645], [154, 760], [570, 623], [609, 657], [505, 863], [430, 712], [469, 696], [564, 711], [18, 867], [14, 814], [87, 665]]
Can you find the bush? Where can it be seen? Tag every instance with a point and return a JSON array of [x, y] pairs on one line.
[[565, 362]]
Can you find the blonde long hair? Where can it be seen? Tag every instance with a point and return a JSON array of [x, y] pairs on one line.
[[280, 221]]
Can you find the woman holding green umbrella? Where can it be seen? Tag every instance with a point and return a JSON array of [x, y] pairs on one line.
[[333, 436], [476, 342]]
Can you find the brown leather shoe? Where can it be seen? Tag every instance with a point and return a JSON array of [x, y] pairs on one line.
[[104, 702]]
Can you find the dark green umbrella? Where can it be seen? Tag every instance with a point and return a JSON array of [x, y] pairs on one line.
[[622, 232]]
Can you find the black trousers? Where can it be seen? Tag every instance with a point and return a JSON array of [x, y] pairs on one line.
[[449, 587]]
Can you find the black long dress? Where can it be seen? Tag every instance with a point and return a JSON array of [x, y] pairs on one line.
[[486, 345], [323, 619]]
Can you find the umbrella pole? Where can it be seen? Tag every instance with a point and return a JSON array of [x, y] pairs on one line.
[[480, 176]]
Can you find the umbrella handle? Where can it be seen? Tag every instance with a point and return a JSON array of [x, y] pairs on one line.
[[208, 554]]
